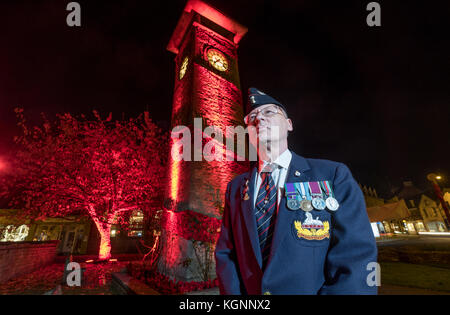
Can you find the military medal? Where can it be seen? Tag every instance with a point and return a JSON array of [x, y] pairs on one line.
[[293, 203], [305, 204], [331, 203], [292, 197], [316, 193]]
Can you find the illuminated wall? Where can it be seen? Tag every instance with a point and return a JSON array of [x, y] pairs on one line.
[[211, 92]]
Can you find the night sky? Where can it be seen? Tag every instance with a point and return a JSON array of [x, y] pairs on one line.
[[376, 99]]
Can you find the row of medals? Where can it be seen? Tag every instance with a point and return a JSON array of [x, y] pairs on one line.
[[316, 203]]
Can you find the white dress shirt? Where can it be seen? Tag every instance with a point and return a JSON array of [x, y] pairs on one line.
[[278, 175]]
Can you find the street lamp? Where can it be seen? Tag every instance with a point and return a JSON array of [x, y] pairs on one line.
[[433, 178]]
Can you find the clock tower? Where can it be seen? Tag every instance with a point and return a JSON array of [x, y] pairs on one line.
[[207, 93]]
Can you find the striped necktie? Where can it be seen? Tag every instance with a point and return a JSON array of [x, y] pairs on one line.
[[265, 207]]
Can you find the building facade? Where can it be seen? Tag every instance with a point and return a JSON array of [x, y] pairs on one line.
[[78, 235], [410, 211]]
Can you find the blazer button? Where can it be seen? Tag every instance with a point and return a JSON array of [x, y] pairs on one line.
[[267, 293]]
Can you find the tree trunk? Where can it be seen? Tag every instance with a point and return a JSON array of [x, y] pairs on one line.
[[104, 228], [104, 252]]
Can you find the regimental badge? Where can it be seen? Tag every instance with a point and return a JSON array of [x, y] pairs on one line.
[[252, 99], [312, 229]]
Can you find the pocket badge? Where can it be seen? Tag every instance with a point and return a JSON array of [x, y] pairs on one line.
[[312, 229]]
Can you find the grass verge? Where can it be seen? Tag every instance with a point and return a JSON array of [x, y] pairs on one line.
[[416, 276]]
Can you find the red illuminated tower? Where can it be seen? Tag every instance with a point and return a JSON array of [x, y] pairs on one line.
[[206, 86]]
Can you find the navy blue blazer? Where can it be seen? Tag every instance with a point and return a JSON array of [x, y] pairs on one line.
[[336, 264]]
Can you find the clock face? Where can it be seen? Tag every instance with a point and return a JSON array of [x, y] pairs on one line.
[[183, 67], [217, 60]]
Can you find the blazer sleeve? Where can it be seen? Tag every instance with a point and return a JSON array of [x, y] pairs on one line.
[[225, 254], [352, 245]]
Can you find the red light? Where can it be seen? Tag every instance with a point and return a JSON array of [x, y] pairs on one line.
[[105, 246], [2, 165], [175, 176]]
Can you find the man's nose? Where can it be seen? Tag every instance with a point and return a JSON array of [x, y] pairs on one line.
[[259, 117]]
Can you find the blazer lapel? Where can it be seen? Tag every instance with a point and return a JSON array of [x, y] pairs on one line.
[[285, 216], [248, 213]]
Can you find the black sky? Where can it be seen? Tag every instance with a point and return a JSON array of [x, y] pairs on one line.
[[376, 99]]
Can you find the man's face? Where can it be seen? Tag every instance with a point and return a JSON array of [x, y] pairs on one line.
[[268, 123]]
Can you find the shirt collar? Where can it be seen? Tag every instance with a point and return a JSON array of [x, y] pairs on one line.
[[283, 160]]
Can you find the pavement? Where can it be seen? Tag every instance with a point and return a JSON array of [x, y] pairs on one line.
[[414, 240]]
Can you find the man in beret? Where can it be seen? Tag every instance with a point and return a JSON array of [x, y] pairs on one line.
[[292, 225]]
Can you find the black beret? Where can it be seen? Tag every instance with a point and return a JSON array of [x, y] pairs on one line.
[[256, 98]]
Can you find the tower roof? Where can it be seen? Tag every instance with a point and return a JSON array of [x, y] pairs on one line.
[[211, 14]]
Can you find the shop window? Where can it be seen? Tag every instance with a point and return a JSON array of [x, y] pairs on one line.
[[14, 234], [410, 227], [136, 227], [114, 231], [381, 227], [387, 228], [420, 227]]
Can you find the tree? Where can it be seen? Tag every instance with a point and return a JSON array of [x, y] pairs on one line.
[[98, 168]]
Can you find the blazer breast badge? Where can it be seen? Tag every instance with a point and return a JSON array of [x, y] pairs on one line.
[[312, 229]]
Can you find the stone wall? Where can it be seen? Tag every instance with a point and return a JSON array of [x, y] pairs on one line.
[[17, 258]]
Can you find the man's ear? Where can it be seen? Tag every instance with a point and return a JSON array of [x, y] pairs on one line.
[[290, 126]]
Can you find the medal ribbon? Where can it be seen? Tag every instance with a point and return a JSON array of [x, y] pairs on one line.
[[324, 189], [291, 192], [305, 191], [328, 186], [315, 189]]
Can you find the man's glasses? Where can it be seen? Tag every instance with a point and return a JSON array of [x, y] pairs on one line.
[[266, 112]]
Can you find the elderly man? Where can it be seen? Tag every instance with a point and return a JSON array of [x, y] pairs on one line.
[[292, 225]]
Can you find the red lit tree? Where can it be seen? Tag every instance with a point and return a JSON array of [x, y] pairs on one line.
[[98, 168]]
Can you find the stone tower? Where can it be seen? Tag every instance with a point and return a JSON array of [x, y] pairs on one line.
[[206, 93]]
